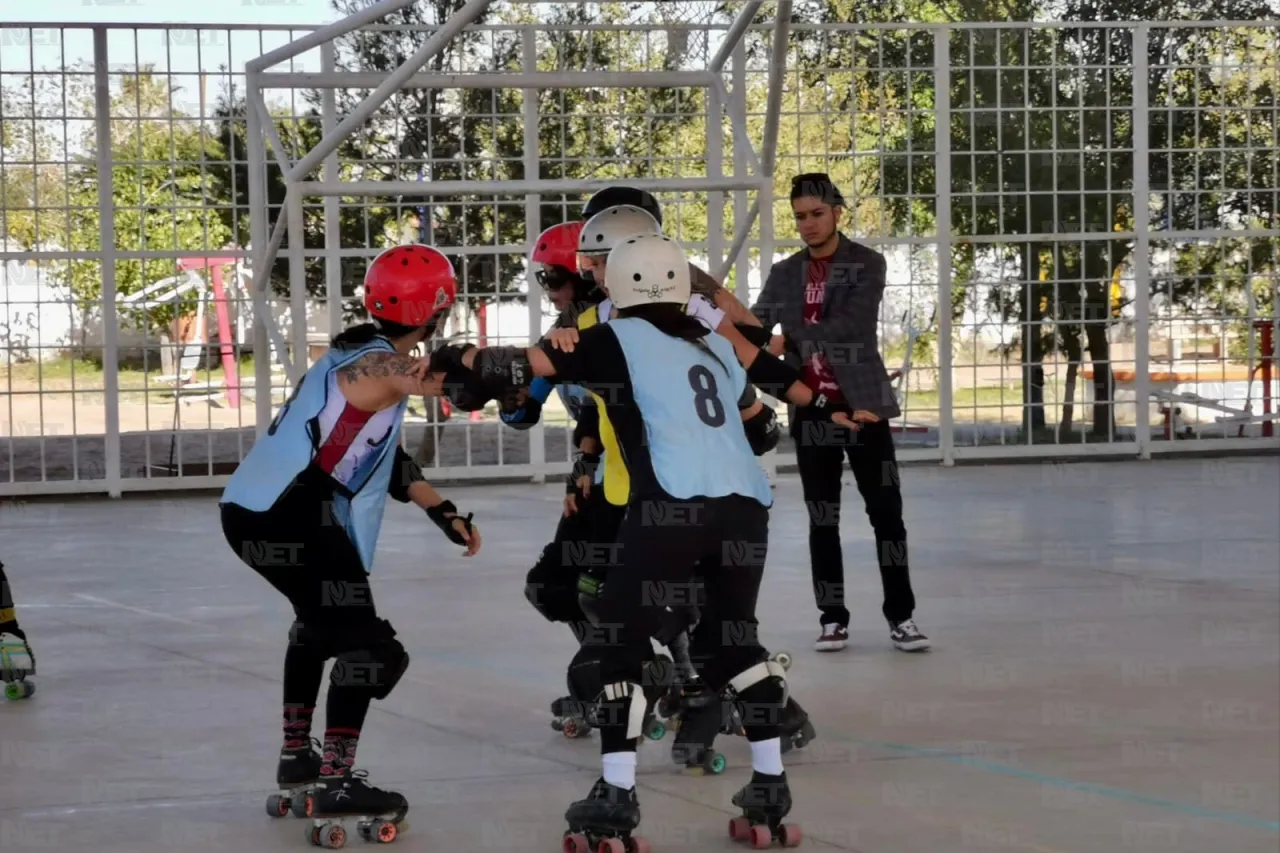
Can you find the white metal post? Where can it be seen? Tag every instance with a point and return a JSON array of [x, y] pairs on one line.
[[1141, 243], [737, 259], [256, 158], [511, 189], [332, 214], [733, 36], [942, 171], [715, 169], [107, 247], [437, 42], [777, 68], [532, 228], [274, 142], [492, 80], [297, 280]]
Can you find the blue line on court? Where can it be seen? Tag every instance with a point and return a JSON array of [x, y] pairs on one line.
[[1060, 782], [523, 675]]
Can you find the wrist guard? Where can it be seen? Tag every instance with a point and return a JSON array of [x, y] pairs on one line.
[[771, 375], [584, 465], [438, 515], [762, 431], [449, 357], [465, 390]]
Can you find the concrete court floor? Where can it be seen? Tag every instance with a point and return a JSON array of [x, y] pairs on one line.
[[1106, 676]]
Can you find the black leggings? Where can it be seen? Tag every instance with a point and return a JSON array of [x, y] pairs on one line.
[[673, 553], [307, 556]]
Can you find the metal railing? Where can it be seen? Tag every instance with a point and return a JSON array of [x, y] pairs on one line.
[[1022, 287]]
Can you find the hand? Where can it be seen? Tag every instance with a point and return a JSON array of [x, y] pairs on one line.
[[841, 419], [864, 417], [570, 504], [584, 485], [563, 339], [776, 345], [472, 539]]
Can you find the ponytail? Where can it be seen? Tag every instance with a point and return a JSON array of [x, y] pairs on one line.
[[358, 336], [671, 319]]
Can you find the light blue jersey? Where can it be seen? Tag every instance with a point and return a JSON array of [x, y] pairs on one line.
[[689, 404], [290, 444]]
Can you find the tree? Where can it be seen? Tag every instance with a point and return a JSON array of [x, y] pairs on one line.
[[161, 199]]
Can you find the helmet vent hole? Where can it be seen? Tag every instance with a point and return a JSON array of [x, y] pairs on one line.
[[404, 262], [671, 274], [636, 277], [394, 300]]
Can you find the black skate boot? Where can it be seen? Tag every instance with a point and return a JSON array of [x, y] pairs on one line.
[[571, 717], [297, 775], [604, 821], [797, 731], [694, 744], [658, 681], [17, 662], [764, 801], [378, 814]]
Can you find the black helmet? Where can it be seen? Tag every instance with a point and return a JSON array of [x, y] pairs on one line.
[[614, 196]]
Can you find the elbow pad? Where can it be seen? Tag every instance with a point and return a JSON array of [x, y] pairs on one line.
[[757, 335], [502, 368], [465, 390], [762, 431], [771, 375]]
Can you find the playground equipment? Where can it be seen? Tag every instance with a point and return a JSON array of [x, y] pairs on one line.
[[900, 377]]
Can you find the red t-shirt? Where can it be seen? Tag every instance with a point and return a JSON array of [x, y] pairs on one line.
[[818, 374]]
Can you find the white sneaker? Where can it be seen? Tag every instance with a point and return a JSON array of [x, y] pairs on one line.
[[833, 639], [907, 637]]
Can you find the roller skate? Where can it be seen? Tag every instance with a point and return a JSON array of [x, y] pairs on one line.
[[571, 717], [797, 731], [693, 747], [297, 775], [378, 814], [782, 659], [17, 664], [764, 801], [658, 682], [603, 822]]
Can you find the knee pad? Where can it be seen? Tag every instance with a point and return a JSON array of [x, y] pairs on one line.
[[761, 693], [555, 603], [584, 679], [623, 702], [673, 623], [379, 668], [301, 634]]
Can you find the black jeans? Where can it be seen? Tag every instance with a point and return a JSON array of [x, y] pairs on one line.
[[660, 545], [821, 449]]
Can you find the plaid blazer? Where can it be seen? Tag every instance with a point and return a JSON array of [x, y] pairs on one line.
[[847, 332]]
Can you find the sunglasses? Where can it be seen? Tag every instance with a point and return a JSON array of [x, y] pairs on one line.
[[552, 279]]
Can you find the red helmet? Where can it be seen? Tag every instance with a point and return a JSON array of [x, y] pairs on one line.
[[558, 246], [409, 285]]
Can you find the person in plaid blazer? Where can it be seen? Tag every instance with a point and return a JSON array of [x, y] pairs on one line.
[[827, 299]]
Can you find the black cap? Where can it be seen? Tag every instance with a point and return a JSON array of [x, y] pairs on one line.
[[816, 185]]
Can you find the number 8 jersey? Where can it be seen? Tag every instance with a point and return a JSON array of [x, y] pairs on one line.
[[692, 435]]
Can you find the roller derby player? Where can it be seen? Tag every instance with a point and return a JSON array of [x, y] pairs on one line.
[[692, 472], [304, 509], [17, 661]]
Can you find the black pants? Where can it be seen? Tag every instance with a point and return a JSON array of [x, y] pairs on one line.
[[821, 449], [298, 548], [583, 541], [661, 544]]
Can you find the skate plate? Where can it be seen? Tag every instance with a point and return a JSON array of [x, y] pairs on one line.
[[19, 689], [331, 830], [592, 840], [759, 834], [298, 799]]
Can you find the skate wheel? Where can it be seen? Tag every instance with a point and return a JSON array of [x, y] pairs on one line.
[[557, 725], [569, 728], [791, 836], [575, 843], [611, 845], [759, 837], [783, 660], [639, 844], [18, 689], [656, 730], [716, 765], [277, 806], [313, 835], [386, 832], [333, 836], [739, 828], [304, 806]]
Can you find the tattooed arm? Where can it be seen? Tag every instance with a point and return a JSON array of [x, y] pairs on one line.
[[381, 379]]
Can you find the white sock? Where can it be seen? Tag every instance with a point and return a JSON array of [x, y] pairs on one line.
[[766, 756], [620, 768]]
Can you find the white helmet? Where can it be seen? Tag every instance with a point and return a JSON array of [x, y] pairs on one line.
[[648, 269], [610, 227]]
